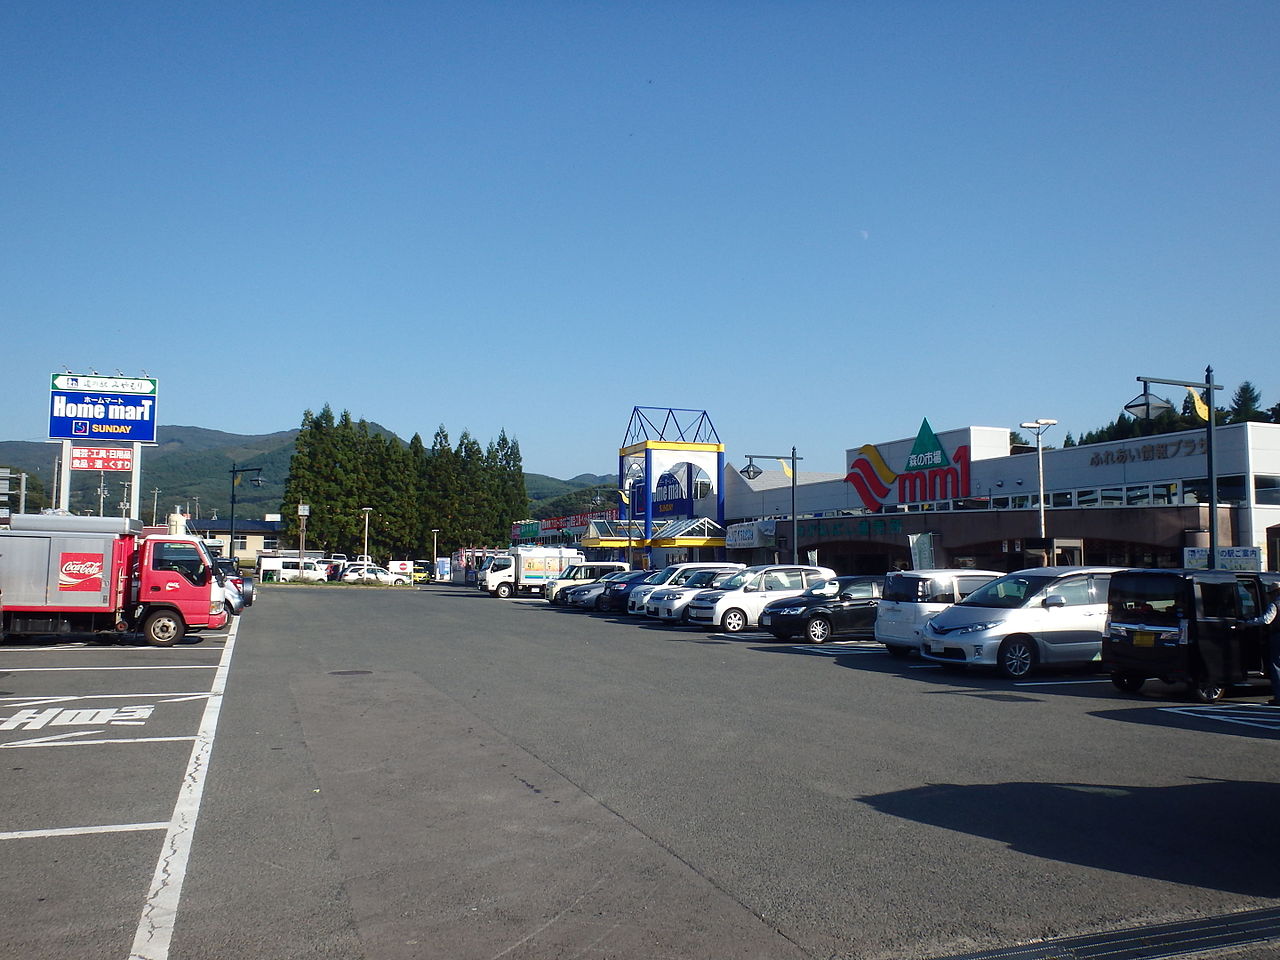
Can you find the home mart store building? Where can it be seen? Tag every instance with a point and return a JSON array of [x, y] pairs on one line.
[[964, 498]]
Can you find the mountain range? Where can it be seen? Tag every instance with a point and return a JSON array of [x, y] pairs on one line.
[[191, 468]]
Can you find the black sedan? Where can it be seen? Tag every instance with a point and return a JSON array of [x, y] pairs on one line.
[[616, 593], [845, 606]]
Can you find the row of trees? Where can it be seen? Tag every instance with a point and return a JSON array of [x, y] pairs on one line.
[[1246, 405], [340, 466]]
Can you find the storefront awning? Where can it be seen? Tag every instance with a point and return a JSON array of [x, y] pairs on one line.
[[695, 532]]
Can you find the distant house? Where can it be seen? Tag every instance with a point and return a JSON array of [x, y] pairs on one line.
[[252, 536]]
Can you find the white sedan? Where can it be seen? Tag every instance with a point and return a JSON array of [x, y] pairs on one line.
[[371, 573]]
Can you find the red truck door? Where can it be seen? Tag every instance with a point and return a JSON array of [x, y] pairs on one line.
[[175, 573]]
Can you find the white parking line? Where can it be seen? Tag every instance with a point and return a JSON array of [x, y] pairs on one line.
[[160, 911], [58, 742], [80, 831], [176, 666]]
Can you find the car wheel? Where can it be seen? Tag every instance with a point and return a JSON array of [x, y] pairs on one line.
[[1206, 692], [1017, 657], [599, 605], [781, 637], [1127, 682], [818, 630], [163, 628], [733, 621]]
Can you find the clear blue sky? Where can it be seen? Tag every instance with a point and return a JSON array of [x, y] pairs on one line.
[[820, 222]]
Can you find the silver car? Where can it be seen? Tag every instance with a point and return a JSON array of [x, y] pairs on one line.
[[669, 604], [1044, 615]]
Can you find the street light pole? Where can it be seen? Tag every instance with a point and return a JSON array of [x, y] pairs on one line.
[[1040, 426], [256, 480], [1147, 407], [367, 511], [434, 532], [751, 471]]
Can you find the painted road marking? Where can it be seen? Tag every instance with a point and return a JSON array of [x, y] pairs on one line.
[[160, 911], [33, 719], [182, 666], [37, 701], [1258, 715], [61, 741], [80, 831]]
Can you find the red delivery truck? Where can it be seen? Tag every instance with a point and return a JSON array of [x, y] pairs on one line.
[[68, 574]]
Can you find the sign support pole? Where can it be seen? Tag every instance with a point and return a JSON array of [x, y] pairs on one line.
[[64, 478], [135, 488]]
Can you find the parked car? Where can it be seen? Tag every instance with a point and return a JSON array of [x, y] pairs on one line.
[[588, 596], [1055, 616], [737, 604], [670, 604], [843, 606], [1187, 626], [615, 595], [231, 570], [422, 571], [912, 597], [232, 599], [674, 575], [579, 573], [369, 572]]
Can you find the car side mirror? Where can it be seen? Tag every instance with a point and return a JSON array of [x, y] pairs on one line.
[[1055, 600]]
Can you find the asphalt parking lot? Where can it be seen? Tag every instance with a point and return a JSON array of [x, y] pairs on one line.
[[104, 749], [434, 773]]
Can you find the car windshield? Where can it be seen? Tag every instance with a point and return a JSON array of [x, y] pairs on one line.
[[701, 578], [740, 579], [824, 588], [1007, 592], [654, 577]]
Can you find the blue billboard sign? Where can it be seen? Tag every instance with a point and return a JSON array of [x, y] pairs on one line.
[[115, 409]]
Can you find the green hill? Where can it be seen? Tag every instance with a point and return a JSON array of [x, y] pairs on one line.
[[191, 467]]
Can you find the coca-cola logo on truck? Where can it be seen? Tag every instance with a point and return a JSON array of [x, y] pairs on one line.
[[80, 571]]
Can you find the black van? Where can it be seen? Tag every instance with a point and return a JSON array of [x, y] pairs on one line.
[[1185, 626]]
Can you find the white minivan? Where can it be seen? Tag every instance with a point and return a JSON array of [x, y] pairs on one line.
[[912, 597], [670, 576], [736, 605], [1044, 615]]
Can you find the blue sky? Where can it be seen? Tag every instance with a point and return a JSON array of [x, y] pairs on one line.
[[819, 222]]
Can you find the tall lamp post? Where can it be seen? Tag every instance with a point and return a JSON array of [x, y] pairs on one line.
[[367, 511], [256, 480], [1147, 406], [751, 471], [434, 533], [1039, 427]]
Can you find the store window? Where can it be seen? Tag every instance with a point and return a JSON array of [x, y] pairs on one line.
[[1086, 498], [1266, 491], [1164, 494], [1138, 496], [1111, 497], [1061, 499]]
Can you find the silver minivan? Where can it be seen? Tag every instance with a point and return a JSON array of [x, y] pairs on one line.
[[1044, 615], [911, 597]]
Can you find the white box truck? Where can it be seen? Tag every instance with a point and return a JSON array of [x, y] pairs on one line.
[[528, 569]]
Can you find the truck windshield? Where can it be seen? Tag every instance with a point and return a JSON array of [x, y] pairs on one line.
[[500, 563]]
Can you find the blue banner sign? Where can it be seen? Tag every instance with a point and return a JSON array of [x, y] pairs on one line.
[[98, 415]]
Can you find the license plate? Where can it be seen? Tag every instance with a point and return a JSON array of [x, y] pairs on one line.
[[936, 647], [766, 620], [1144, 638]]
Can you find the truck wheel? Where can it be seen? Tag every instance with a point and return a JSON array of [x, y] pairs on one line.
[[504, 591], [163, 628]]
